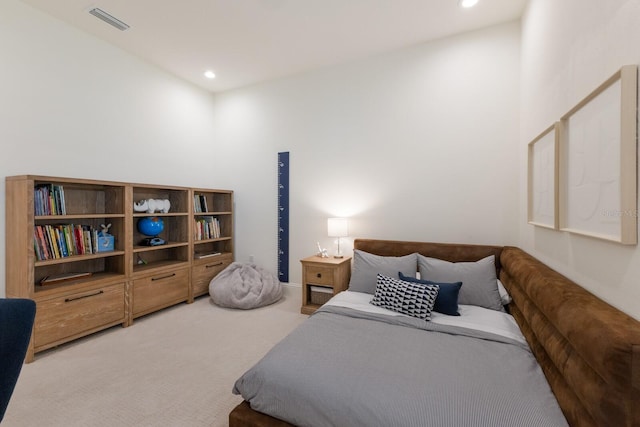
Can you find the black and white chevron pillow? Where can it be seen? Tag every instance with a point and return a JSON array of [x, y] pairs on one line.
[[413, 299]]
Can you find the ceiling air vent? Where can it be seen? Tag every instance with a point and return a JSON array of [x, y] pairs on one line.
[[115, 22]]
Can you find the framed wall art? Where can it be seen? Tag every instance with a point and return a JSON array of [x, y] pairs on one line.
[[598, 161], [542, 179]]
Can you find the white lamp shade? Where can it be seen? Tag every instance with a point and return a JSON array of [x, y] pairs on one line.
[[467, 3], [337, 227]]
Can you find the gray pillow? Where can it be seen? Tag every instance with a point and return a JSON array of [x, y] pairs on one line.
[[366, 267], [479, 282]]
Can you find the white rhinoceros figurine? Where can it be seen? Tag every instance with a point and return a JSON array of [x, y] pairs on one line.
[[152, 205]]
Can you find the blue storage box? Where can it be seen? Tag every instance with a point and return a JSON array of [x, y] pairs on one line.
[[106, 242]]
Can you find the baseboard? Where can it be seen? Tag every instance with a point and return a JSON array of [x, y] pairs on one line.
[[291, 285]]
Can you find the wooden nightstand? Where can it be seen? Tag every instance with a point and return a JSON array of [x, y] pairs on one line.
[[327, 276]]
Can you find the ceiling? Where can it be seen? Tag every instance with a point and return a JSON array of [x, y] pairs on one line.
[[249, 41]]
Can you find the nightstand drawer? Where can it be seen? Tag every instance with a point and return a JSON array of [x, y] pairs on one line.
[[319, 275]]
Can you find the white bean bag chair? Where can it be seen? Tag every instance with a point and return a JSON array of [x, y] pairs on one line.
[[245, 286]]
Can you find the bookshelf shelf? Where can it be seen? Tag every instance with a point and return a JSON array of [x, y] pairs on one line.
[[160, 214], [167, 245], [76, 258], [52, 226], [97, 279], [78, 216], [219, 239]]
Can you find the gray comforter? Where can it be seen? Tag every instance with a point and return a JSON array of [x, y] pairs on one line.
[[344, 367]]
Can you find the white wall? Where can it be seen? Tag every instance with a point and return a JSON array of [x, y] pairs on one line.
[[570, 47], [71, 105], [417, 144]]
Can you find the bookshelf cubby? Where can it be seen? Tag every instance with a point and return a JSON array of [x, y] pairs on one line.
[[52, 226], [212, 251]]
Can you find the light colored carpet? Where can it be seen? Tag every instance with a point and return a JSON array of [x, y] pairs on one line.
[[175, 367]]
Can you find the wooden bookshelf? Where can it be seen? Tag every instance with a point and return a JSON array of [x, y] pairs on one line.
[[213, 250], [114, 286]]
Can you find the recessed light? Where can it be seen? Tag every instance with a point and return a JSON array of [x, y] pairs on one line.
[[210, 74], [467, 3], [109, 19]]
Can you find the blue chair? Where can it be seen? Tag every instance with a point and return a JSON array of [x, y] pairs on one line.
[[16, 322]]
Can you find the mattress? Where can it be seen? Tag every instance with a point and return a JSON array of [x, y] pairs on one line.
[[355, 364]]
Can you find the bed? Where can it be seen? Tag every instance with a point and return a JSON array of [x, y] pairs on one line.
[[572, 359]]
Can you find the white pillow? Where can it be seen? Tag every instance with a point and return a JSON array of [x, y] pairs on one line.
[[504, 294]]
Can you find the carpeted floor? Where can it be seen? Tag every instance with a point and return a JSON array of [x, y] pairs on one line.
[[175, 367]]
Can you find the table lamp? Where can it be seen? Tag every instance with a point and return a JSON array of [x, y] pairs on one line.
[[338, 227]]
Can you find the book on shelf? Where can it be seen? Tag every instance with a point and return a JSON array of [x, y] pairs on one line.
[[48, 199], [61, 278], [200, 203], [53, 241], [207, 227], [63, 240], [78, 239], [196, 203], [88, 243], [41, 242], [66, 233], [37, 246]]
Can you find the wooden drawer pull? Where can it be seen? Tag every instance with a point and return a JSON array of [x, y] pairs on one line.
[[83, 296], [214, 265], [163, 277], [319, 275]]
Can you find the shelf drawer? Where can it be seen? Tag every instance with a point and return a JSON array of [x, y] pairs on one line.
[[160, 290], [202, 274], [318, 275], [73, 315]]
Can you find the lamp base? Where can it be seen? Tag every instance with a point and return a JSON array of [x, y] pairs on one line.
[[338, 256]]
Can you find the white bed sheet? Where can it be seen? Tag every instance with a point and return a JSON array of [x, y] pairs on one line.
[[471, 317]]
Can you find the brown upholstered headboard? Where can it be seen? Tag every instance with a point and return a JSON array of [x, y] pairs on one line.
[[446, 251], [588, 350]]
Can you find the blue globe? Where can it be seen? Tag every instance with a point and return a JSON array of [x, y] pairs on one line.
[[150, 225]]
